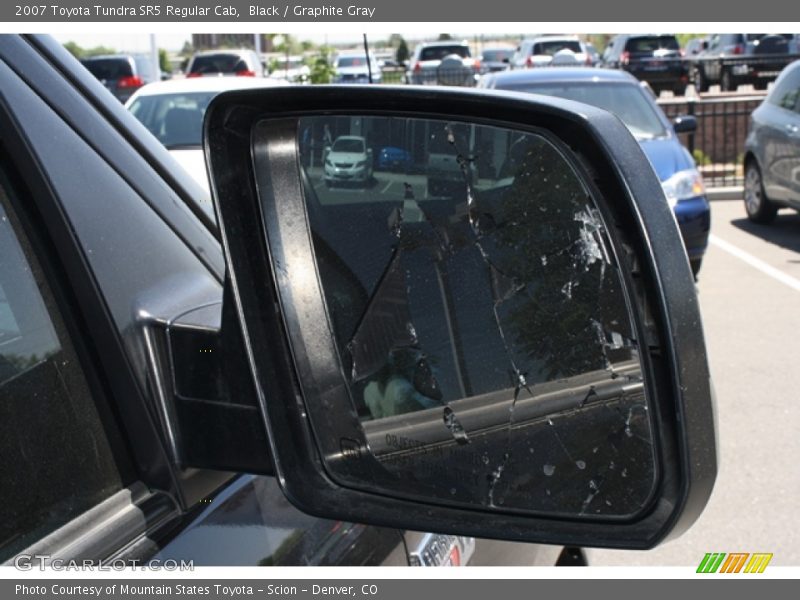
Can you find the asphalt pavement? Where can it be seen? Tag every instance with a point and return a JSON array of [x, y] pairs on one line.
[[749, 290]]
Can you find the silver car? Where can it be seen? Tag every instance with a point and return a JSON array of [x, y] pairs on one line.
[[772, 150]]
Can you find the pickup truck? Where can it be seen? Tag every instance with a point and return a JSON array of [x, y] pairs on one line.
[[197, 385]]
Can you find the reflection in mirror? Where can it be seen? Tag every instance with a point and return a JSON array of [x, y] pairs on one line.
[[480, 315]]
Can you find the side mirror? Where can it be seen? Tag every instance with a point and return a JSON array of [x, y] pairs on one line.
[[514, 357], [684, 124], [704, 44]]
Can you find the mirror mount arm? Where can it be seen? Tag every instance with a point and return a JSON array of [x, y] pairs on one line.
[[210, 415]]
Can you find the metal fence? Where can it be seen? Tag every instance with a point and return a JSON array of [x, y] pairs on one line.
[[718, 143]]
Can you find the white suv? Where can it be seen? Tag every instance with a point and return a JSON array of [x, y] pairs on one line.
[[442, 63], [542, 51]]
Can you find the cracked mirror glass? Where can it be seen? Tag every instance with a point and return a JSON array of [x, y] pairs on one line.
[[484, 328]]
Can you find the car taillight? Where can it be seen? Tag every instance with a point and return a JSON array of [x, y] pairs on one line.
[[529, 61], [455, 557], [245, 73], [130, 82], [417, 67], [682, 53], [193, 75], [476, 65], [625, 58], [587, 60], [738, 49]]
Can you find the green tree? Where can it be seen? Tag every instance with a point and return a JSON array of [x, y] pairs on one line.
[[163, 61], [394, 40], [74, 49], [322, 70], [685, 37], [402, 53], [79, 52], [444, 37]]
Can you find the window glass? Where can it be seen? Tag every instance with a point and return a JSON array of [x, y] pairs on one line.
[[175, 119], [627, 101], [497, 55], [652, 43], [478, 313], [57, 459], [439, 52], [217, 63], [109, 68], [550, 48], [787, 90]]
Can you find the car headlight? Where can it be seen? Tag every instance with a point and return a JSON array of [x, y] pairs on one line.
[[328, 162], [360, 164], [683, 185]]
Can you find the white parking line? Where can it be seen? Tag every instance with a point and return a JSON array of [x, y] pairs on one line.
[[757, 263], [386, 189]]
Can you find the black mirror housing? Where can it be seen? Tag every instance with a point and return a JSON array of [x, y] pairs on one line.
[[312, 297]]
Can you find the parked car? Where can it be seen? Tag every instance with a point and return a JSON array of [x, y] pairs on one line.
[[622, 94], [392, 158], [123, 74], [772, 150], [541, 51], [654, 58], [442, 63], [352, 67], [153, 384], [292, 69], [225, 63], [349, 159], [495, 58], [695, 46], [173, 112], [592, 54], [734, 59]]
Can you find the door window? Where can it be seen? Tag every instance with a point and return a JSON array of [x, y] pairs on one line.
[[57, 457]]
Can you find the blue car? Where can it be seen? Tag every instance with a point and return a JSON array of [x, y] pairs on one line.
[[392, 158], [622, 94]]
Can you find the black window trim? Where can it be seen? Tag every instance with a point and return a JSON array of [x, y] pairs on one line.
[[88, 320]]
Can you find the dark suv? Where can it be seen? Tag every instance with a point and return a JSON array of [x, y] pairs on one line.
[[122, 74], [655, 59], [734, 59]]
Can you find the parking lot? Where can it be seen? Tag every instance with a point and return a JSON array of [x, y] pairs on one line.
[[749, 288]]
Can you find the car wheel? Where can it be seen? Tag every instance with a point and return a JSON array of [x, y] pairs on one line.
[[679, 90], [758, 207], [700, 81], [727, 83]]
